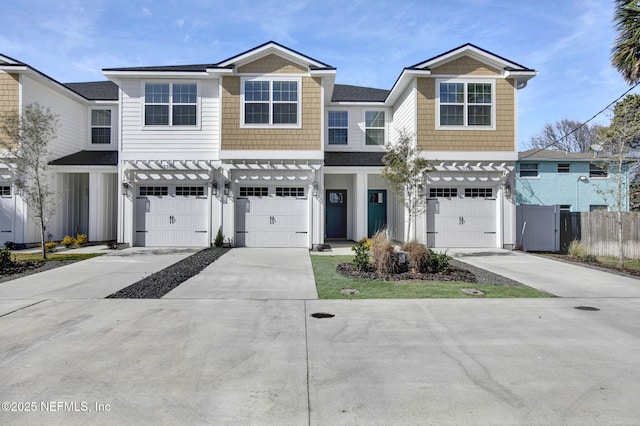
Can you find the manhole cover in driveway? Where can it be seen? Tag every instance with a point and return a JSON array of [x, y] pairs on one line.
[[586, 308], [322, 315]]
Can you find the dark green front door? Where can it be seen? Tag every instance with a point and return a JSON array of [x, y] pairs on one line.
[[377, 211], [336, 214]]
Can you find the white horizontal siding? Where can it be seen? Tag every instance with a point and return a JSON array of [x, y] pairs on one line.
[[137, 139], [72, 116], [356, 130], [404, 113]]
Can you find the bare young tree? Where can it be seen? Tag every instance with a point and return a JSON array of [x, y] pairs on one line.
[[26, 139], [405, 171], [566, 135], [618, 142]]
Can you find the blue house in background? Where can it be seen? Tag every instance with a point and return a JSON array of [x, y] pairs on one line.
[[574, 181]]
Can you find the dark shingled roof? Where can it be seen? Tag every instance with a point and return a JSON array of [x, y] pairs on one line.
[[346, 93], [361, 159], [88, 158], [95, 90], [167, 68]]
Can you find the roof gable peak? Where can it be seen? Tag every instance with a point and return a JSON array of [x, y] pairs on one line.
[[269, 48], [475, 52]]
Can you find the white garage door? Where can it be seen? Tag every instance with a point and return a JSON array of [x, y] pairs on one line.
[[172, 216], [271, 217], [457, 220]]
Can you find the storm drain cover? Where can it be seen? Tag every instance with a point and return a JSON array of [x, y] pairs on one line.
[[349, 291], [322, 315], [472, 291], [586, 308]]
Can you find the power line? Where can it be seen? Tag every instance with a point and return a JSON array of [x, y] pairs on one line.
[[583, 124]]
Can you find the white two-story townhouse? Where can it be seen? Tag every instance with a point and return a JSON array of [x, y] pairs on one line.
[[235, 146], [461, 109], [82, 158]]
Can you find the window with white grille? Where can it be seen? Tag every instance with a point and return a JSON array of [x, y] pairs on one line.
[[478, 192], [190, 191], [153, 190], [443, 192], [290, 192], [254, 191]]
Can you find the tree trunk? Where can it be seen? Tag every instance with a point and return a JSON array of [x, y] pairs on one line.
[[620, 241], [44, 248]]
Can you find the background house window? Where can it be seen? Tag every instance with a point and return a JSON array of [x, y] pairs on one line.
[[598, 207], [271, 102], [529, 170], [179, 98], [338, 127], [101, 126], [564, 167], [374, 127], [465, 104], [596, 171]]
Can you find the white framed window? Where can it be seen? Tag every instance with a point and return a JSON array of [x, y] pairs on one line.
[[156, 191], [190, 191], [100, 126], [529, 170], [564, 167], [5, 191], [271, 102], [294, 191], [254, 191], [464, 104], [478, 192], [443, 192], [374, 125], [170, 104], [338, 127]]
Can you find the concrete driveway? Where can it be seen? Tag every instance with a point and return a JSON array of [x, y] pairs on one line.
[[94, 278], [253, 273], [555, 277]]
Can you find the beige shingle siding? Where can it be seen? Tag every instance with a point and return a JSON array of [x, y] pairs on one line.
[[465, 66], [9, 95], [306, 138], [500, 139], [272, 64]]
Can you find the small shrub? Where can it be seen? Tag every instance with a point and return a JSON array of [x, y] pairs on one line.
[[5, 259], [9, 245], [418, 256], [361, 259], [577, 249], [82, 240], [589, 258], [385, 259], [112, 245], [50, 246], [68, 241], [438, 262], [219, 238]]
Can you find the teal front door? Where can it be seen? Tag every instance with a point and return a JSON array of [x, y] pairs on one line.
[[336, 214], [377, 211]]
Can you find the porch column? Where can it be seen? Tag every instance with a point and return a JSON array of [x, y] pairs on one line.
[[362, 216]]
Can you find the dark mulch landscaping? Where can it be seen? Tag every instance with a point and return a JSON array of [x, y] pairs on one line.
[[22, 269], [456, 271], [162, 282]]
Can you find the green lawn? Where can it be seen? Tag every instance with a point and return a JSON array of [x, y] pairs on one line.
[[330, 283], [630, 265], [23, 257]]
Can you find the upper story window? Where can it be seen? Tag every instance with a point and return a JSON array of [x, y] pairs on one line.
[[338, 127], [466, 104], [596, 171], [170, 104], [374, 127], [271, 102], [564, 167], [528, 169], [100, 126]]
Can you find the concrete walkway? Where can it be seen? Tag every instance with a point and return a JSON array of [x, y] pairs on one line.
[[555, 277], [253, 273], [94, 278]]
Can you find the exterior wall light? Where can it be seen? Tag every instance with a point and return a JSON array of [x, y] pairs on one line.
[[227, 188], [507, 190], [315, 189], [214, 188], [582, 178], [125, 187]]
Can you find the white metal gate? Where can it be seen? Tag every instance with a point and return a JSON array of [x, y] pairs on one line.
[[272, 217], [172, 215]]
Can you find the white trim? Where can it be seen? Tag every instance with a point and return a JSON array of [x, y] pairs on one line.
[[385, 128], [112, 127], [157, 74], [267, 49], [83, 169], [473, 52], [170, 126], [469, 156], [274, 155]]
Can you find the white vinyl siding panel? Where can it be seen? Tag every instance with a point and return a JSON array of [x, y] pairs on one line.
[[404, 113], [72, 116], [179, 139], [356, 128]]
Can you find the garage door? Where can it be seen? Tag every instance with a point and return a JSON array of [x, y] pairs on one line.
[[172, 215], [461, 217], [271, 217]]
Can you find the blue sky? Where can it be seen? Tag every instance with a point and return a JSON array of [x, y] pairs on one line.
[[369, 41]]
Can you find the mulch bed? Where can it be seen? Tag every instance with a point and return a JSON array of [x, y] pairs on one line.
[[452, 273]]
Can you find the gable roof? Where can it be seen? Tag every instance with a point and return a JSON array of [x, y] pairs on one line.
[[554, 155], [96, 90], [474, 51]]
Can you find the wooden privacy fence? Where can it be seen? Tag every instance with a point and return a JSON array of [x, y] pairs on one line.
[[598, 231]]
